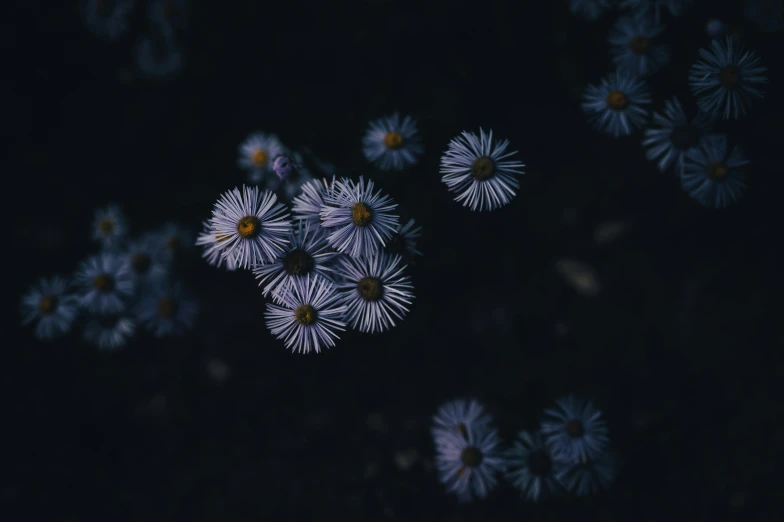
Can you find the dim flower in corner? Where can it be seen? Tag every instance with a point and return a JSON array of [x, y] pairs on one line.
[[307, 314], [618, 105], [588, 9], [533, 468], [105, 283], [256, 155], [575, 429], [727, 79], [51, 307], [213, 248], [361, 221], [109, 331], [673, 134], [392, 143], [107, 19], [480, 171], [307, 253], [375, 291], [145, 258], [174, 239], [458, 416], [250, 225], [404, 241], [110, 227], [634, 45], [158, 55], [468, 461], [712, 174], [165, 309], [589, 475]]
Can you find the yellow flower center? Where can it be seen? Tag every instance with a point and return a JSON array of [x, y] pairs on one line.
[[640, 45], [259, 158], [305, 315], [106, 226], [393, 140], [361, 214], [370, 288], [717, 171], [103, 283], [167, 307], [248, 227], [483, 168], [173, 243], [47, 304], [617, 101]]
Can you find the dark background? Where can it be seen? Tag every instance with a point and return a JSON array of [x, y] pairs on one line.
[[681, 348]]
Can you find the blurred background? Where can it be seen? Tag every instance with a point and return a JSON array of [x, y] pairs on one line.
[[671, 325]]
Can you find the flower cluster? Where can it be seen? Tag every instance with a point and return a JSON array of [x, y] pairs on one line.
[[326, 264], [569, 451], [157, 53], [129, 283], [726, 80]]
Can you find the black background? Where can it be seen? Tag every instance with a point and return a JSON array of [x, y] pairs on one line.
[[680, 349]]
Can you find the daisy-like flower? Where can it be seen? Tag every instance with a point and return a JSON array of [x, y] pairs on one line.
[[145, 258], [49, 305], [255, 224], [213, 244], [533, 468], [618, 105], [166, 310], [458, 416], [468, 463], [106, 283], [257, 153], [109, 331], [634, 47], [107, 19], [157, 55], [173, 239], [376, 291], [168, 14], [767, 15], [480, 170], [307, 315], [392, 143], [403, 243], [727, 79], [673, 134], [575, 429], [307, 253], [362, 221], [110, 226], [307, 206], [590, 475], [588, 9], [712, 174]]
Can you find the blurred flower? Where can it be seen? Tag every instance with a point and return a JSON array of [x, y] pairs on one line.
[[458, 416], [618, 105], [307, 315], [166, 310], [468, 463], [533, 468], [589, 475], [392, 143], [712, 174], [50, 306], [213, 244], [169, 14], [158, 55], [588, 9], [403, 243], [361, 220], [109, 331], [715, 28], [257, 153], [110, 226], [174, 238], [634, 47], [672, 135], [575, 430], [727, 79], [480, 170], [255, 225], [146, 259], [375, 290], [107, 19], [105, 283]]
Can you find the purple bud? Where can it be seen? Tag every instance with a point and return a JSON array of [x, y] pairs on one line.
[[282, 166]]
